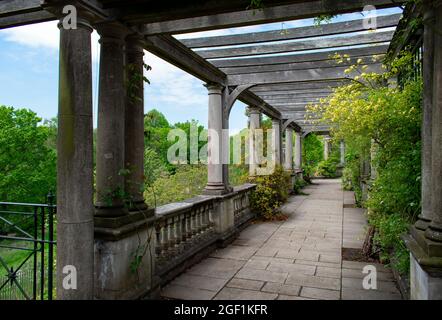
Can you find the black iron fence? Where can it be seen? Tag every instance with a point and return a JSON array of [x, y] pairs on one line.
[[27, 244]]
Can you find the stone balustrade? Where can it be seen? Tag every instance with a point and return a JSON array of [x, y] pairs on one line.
[[241, 204], [187, 231]]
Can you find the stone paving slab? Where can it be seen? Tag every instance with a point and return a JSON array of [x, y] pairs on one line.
[[296, 259], [241, 294], [323, 294]]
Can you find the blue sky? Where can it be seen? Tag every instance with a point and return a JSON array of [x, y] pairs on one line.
[[29, 73]]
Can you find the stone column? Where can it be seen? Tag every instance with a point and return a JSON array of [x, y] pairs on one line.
[[134, 123], [254, 124], [111, 123], [326, 147], [276, 141], [434, 232], [425, 241], [215, 174], [288, 163], [75, 209], [298, 151], [428, 71], [342, 149]]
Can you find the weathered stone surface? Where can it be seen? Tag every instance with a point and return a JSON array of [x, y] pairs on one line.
[[200, 282], [328, 272], [320, 293], [186, 293], [280, 288], [285, 297], [385, 286], [217, 268], [292, 268], [245, 284], [262, 275], [358, 274], [355, 294], [299, 258], [241, 294], [314, 281], [235, 252]]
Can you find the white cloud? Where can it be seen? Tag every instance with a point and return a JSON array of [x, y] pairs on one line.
[[44, 35], [173, 86]]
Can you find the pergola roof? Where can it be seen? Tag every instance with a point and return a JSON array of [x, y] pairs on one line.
[[277, 71]]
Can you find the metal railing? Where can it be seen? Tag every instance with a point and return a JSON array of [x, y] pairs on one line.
[[27, 250]]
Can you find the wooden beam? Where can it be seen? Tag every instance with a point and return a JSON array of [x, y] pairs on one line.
[[251, 99], [25, 19], [290, 34], [300, 87], [292, 96], [16, 7], [174, 52], [311, 44], [288, 102], [266, 15], [290, 105], [300, 57], [298, 65], [297, 76]]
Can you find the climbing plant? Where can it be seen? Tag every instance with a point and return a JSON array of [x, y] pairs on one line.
[[368, 112]]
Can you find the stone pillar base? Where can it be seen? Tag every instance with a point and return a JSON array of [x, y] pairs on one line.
[[424, 286], [217, 190], [124, 253], [425, 266]]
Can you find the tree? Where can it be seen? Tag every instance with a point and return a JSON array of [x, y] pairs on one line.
[[27, 156]]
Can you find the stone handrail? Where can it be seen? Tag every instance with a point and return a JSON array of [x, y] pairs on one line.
[[181, 226], [185, 229]]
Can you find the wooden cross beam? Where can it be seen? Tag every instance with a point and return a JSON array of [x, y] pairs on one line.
[[291, 33], [319, 74], [306, 9], [302, 45]]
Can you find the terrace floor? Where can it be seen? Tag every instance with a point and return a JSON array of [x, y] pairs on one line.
[[299, 258]]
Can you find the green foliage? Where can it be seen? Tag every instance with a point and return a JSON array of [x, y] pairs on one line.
[[299, 184], [270, 193], [187, 182], [327, 168], [27, 157], [187, 127], [156, 129], [323, 18], [381, 125], [312, 154], [238, 174], [389, 229]]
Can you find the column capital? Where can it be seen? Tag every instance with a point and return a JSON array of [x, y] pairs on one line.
[[111, 32], [214, 88], [253, 110], [85, 19]]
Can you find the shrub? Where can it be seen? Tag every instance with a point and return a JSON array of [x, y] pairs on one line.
[[387, 239], [299, 184], [270, 193], [327, 168]]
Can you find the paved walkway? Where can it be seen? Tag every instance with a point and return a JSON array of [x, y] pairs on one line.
[[299, 258]]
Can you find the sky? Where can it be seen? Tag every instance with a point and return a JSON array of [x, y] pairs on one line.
[[29, 73]]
